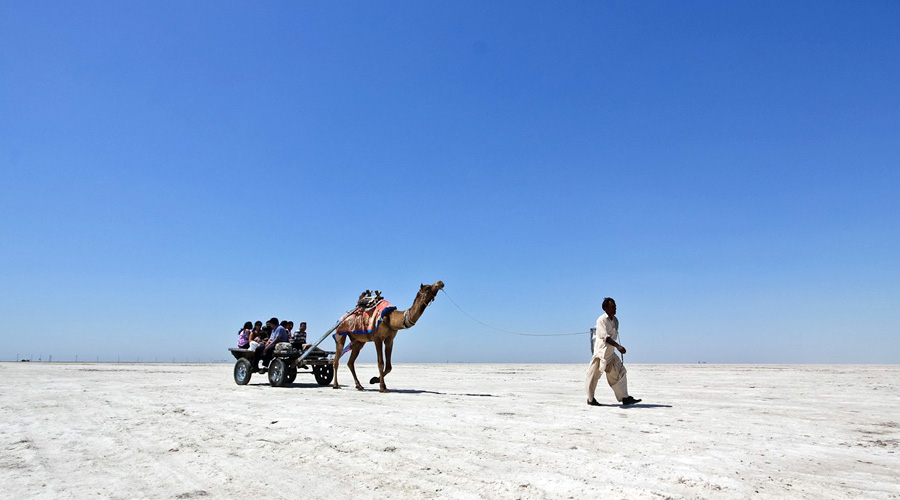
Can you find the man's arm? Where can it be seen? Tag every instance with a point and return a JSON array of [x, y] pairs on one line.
[[275, 337], [615, 344]]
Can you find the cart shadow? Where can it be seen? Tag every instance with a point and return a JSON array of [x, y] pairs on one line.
[[310, 385]]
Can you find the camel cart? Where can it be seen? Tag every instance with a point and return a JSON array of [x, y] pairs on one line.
[[285, 364]]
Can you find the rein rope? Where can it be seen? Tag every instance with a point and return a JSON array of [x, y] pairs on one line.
[[507, 331]]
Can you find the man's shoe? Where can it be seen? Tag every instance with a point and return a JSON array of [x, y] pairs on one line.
[[594, 402], [630, 401]]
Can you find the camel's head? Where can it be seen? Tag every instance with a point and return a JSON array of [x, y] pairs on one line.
[[428, 292]]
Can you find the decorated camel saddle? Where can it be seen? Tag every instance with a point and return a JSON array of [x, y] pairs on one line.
[[366, 318]]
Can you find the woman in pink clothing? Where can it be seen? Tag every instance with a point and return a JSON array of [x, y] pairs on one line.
[[244, 336]]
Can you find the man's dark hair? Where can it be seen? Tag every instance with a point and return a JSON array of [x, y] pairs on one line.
[[284, 323], [606, 302], [273, 321]]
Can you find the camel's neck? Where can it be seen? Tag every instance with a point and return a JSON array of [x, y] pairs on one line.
[[412, 315]]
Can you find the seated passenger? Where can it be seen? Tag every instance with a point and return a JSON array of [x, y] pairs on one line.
[[279, 334], [258, 339], [244, 336], [288, 327], [298, 338], [256, 334]]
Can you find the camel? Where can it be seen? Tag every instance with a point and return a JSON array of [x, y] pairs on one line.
[[384, 337]]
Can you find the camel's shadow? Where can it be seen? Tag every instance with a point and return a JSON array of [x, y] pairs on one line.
[[417, 391]]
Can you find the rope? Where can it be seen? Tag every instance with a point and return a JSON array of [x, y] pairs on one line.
[[508, 331]]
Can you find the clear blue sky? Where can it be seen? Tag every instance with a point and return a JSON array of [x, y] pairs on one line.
[[728, 171]]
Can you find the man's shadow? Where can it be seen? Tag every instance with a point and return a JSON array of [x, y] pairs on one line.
[[639, 405]]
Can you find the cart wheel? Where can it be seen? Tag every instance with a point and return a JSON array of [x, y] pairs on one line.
[[324, 374], [242, 371], [277, 371], [290, 374]]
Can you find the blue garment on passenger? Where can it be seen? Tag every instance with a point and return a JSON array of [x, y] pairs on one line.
[[279, 335]]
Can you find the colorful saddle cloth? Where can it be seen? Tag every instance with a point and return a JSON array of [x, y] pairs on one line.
[[367, 321]]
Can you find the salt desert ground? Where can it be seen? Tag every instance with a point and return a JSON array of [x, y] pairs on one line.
[[467, 431]]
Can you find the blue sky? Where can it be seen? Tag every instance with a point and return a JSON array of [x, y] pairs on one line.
[[726, 170]]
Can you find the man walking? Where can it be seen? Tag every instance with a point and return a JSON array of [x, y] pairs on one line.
[[605, 358]]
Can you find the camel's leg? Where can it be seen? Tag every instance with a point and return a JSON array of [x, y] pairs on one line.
[[338, 347], [355, 347], [388, 349], [379, 348]]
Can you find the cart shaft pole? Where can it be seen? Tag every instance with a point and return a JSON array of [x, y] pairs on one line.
[[332, 329]]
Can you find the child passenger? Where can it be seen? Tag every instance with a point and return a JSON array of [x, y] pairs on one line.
[[244, 336]]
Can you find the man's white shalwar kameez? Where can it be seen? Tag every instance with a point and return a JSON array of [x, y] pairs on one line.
[[606, 360]]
